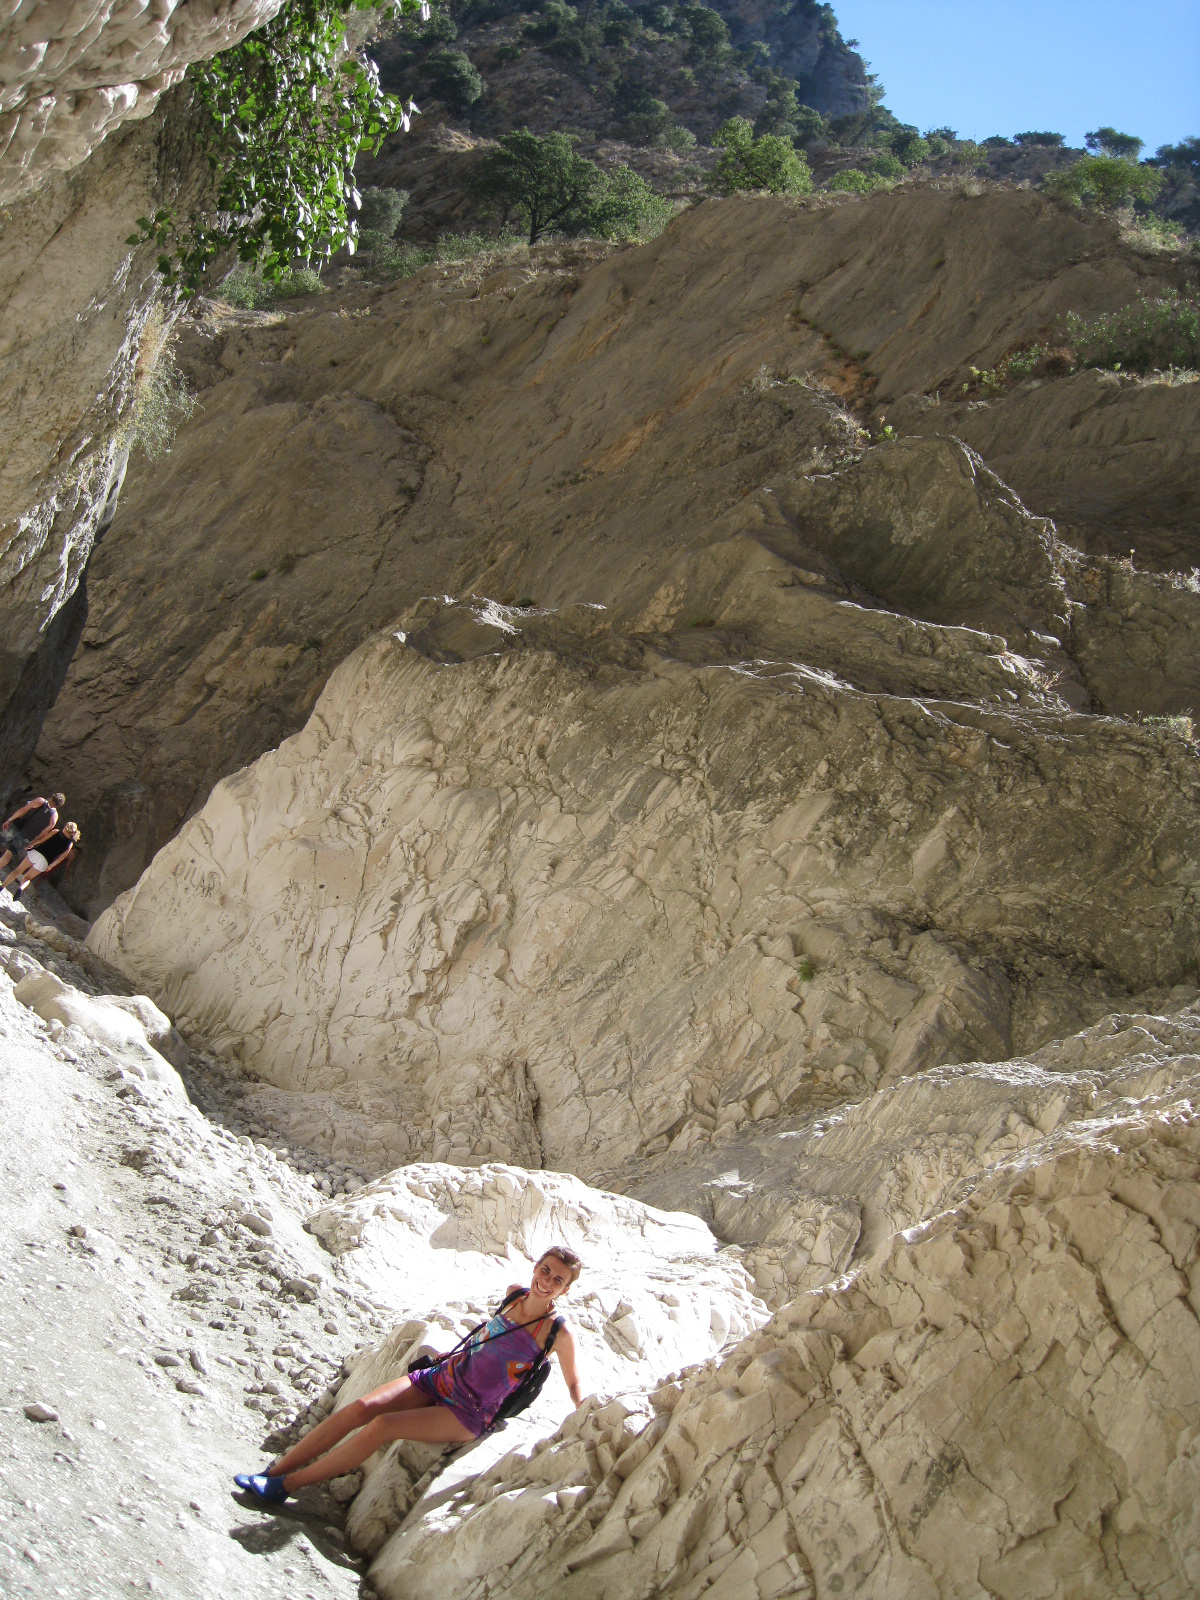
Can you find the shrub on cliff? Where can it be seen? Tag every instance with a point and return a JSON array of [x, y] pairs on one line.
[[287, 112], [768, 162], [544, 181], [1106, 182], [379, 211], [394, 259], [626, 207], [1146, 336], [248, 289], [908, 147], [453, 78], [778, 115], [881, 172], [643, 115], [1183, 157], [620, 26], [162, 402], [709, 34]]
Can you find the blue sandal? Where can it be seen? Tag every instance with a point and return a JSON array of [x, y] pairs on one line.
[[267, 1489]]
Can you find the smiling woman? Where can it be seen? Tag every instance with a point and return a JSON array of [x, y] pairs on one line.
[[494, 1372], [986, 69]]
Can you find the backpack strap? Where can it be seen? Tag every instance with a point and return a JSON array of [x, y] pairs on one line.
[[471, 1332], [555, 1328]]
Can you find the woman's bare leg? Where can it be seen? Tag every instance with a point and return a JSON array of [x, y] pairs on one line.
[[399, 1395], [432, 1424]]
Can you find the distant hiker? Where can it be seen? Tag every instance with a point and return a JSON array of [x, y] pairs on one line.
[[51, 855], [29, 825], [495, 1371]]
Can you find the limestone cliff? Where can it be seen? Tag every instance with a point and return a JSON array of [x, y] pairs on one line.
[[73, 73], [714, 935], [79, 81], [734, 805], [614, 744], [662, 432]]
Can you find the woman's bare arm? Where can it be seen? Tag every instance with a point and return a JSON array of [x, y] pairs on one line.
[[564, 1349]]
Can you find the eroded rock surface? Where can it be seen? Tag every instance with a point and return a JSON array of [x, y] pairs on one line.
[[73, 73], [1003, 1402], [659, 431], [584, 912], [83, 153], [178, 1295], [729, 842]]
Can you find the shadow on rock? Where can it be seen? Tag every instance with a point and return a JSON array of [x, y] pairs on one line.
[[311, 1514]]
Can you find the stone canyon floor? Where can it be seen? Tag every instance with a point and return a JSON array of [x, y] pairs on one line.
[[635, 747]]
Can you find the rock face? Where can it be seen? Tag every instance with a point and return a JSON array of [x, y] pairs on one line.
[[77, 302], [703, 827], [1004, 1401], [761, 834], [583, 912], [79, 306], [203, 1278], [674, 412], [804, 43], [984, 1372], [73, 73]]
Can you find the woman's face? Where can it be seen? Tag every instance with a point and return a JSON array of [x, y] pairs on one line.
[[551, 1278]]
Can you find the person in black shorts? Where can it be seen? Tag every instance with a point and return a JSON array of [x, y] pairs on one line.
[[30, 825], [50, 855]]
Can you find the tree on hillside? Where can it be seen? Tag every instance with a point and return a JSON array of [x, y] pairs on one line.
[[765, 163], [1106, 182], [453, 78], [779, 114], [542, 179], [810, 125], [1050, 141], [625, 205], [1184, 156], [1108, 142], [907, 145], [710, 35], [380, 209]]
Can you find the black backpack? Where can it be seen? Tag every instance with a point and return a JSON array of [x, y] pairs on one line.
[[530, 1386]]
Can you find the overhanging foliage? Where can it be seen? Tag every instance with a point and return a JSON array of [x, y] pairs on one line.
[[286, 112]]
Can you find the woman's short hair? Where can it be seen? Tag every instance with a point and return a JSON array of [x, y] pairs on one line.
[[58, 799], [71, 829], [569, 1259]]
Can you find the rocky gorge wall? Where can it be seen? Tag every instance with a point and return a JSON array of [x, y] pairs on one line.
[[752, 815], [616, 918], [476, 428], [83, 152], [566, 771]]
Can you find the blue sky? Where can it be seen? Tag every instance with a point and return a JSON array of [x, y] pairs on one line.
[[1005, 66]]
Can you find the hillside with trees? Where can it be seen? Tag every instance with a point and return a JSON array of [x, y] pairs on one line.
[[647, 85], [692, 98]]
